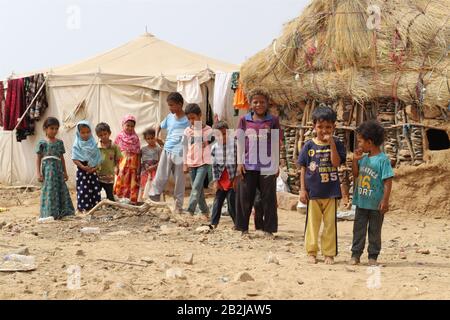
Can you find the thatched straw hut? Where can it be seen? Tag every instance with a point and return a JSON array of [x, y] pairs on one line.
[[339, 53]]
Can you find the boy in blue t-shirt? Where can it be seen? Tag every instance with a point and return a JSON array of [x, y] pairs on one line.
[[171, 161], [373, 183], [320, 186]]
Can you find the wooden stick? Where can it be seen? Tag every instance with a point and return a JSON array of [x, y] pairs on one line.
[[107, 202], [123, 262], [19, 187]]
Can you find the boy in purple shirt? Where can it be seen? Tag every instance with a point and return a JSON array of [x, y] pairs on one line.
[[258, 145]]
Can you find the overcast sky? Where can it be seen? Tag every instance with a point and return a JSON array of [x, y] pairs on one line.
[[38, 34]]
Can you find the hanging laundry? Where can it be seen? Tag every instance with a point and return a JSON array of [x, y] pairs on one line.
[[15, 104], [2, 103], [222, 89], [209, 111], [189, 87], [240, 100], [235, 81], [40, 104]]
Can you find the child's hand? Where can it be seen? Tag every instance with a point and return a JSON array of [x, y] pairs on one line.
[[235, 184], [66, 177], [358, 154], [40, 178], [116, 171], [384, 206], [304, 197], [241, 170], [185, 168], [216, 186]]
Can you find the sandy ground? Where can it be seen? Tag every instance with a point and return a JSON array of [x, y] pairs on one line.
[[217, 258]]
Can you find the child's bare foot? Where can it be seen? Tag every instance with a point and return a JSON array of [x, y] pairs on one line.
[[312, 259], [329, 260], [373, 262], [354, 261]]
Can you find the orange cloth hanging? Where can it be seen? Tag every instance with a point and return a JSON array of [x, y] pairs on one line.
[[240, 100]]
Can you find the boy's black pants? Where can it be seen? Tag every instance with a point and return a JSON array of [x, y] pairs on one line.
[[374, 220], [108, 187], [245, 199], [221, 195]]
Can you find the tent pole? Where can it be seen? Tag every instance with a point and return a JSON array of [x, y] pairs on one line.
[[11, 160]]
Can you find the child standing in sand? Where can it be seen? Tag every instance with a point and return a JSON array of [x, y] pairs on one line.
[[127, 181], [150, 155], [87, 157], [111, 156], [373, 175], [197, 158], [320, 187], [257, 166], [224, 173], [171, 161], [51, 168]]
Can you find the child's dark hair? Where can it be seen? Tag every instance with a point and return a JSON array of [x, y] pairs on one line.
[[371, 130], [324, 113], [221, 125], [193, 108], [258, 92], [150, 132], [50, 121], [176, 98], [101, 127]]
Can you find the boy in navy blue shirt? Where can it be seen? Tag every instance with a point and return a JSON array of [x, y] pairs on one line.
[[320, 187]]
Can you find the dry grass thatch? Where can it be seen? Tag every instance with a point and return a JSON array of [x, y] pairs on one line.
[[329, 52]]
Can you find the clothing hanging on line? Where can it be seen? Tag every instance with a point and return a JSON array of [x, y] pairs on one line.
[[40, 104], [240, 100], [189, 87], [14, 106], [222, 89], [2, 103], [235, 81]]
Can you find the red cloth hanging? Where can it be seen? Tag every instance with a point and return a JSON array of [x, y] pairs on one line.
[[2, 103], [15, 105]]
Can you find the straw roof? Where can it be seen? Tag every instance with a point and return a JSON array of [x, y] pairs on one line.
[[333, 51]]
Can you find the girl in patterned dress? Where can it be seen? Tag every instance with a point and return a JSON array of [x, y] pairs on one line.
[[127, 182], [51, 168], [87, 157]]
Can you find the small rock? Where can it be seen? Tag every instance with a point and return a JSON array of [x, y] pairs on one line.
[[224, 279], [106, 285], [146, 229], [272, 259], [34, 233], [173, 220], [164, 217], [348, 269], [164, 266], [244, 277], [188, 258], [80, 253], [77, 244], [404, 229], [402, 255], [423, 251], [147, 260], [289, 244], [175, 273], [300, 282], [252, 293], [22, 251], [203, 229]]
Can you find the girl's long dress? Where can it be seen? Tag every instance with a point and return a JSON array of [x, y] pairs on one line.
[[127, 182], [55, 196]]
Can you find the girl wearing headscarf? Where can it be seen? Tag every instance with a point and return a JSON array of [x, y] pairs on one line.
[[127, 181], [87, 157]]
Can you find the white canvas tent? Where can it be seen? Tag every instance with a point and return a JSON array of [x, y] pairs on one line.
[[132, 79]]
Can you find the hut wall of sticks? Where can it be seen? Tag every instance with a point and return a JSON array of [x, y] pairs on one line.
[[380, 59]]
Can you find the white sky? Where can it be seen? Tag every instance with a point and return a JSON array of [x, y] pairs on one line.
[[38, 34]]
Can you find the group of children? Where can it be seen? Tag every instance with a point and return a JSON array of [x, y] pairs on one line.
[[242, 166]]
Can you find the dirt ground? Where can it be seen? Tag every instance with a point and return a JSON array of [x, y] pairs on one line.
[[415, 257]]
